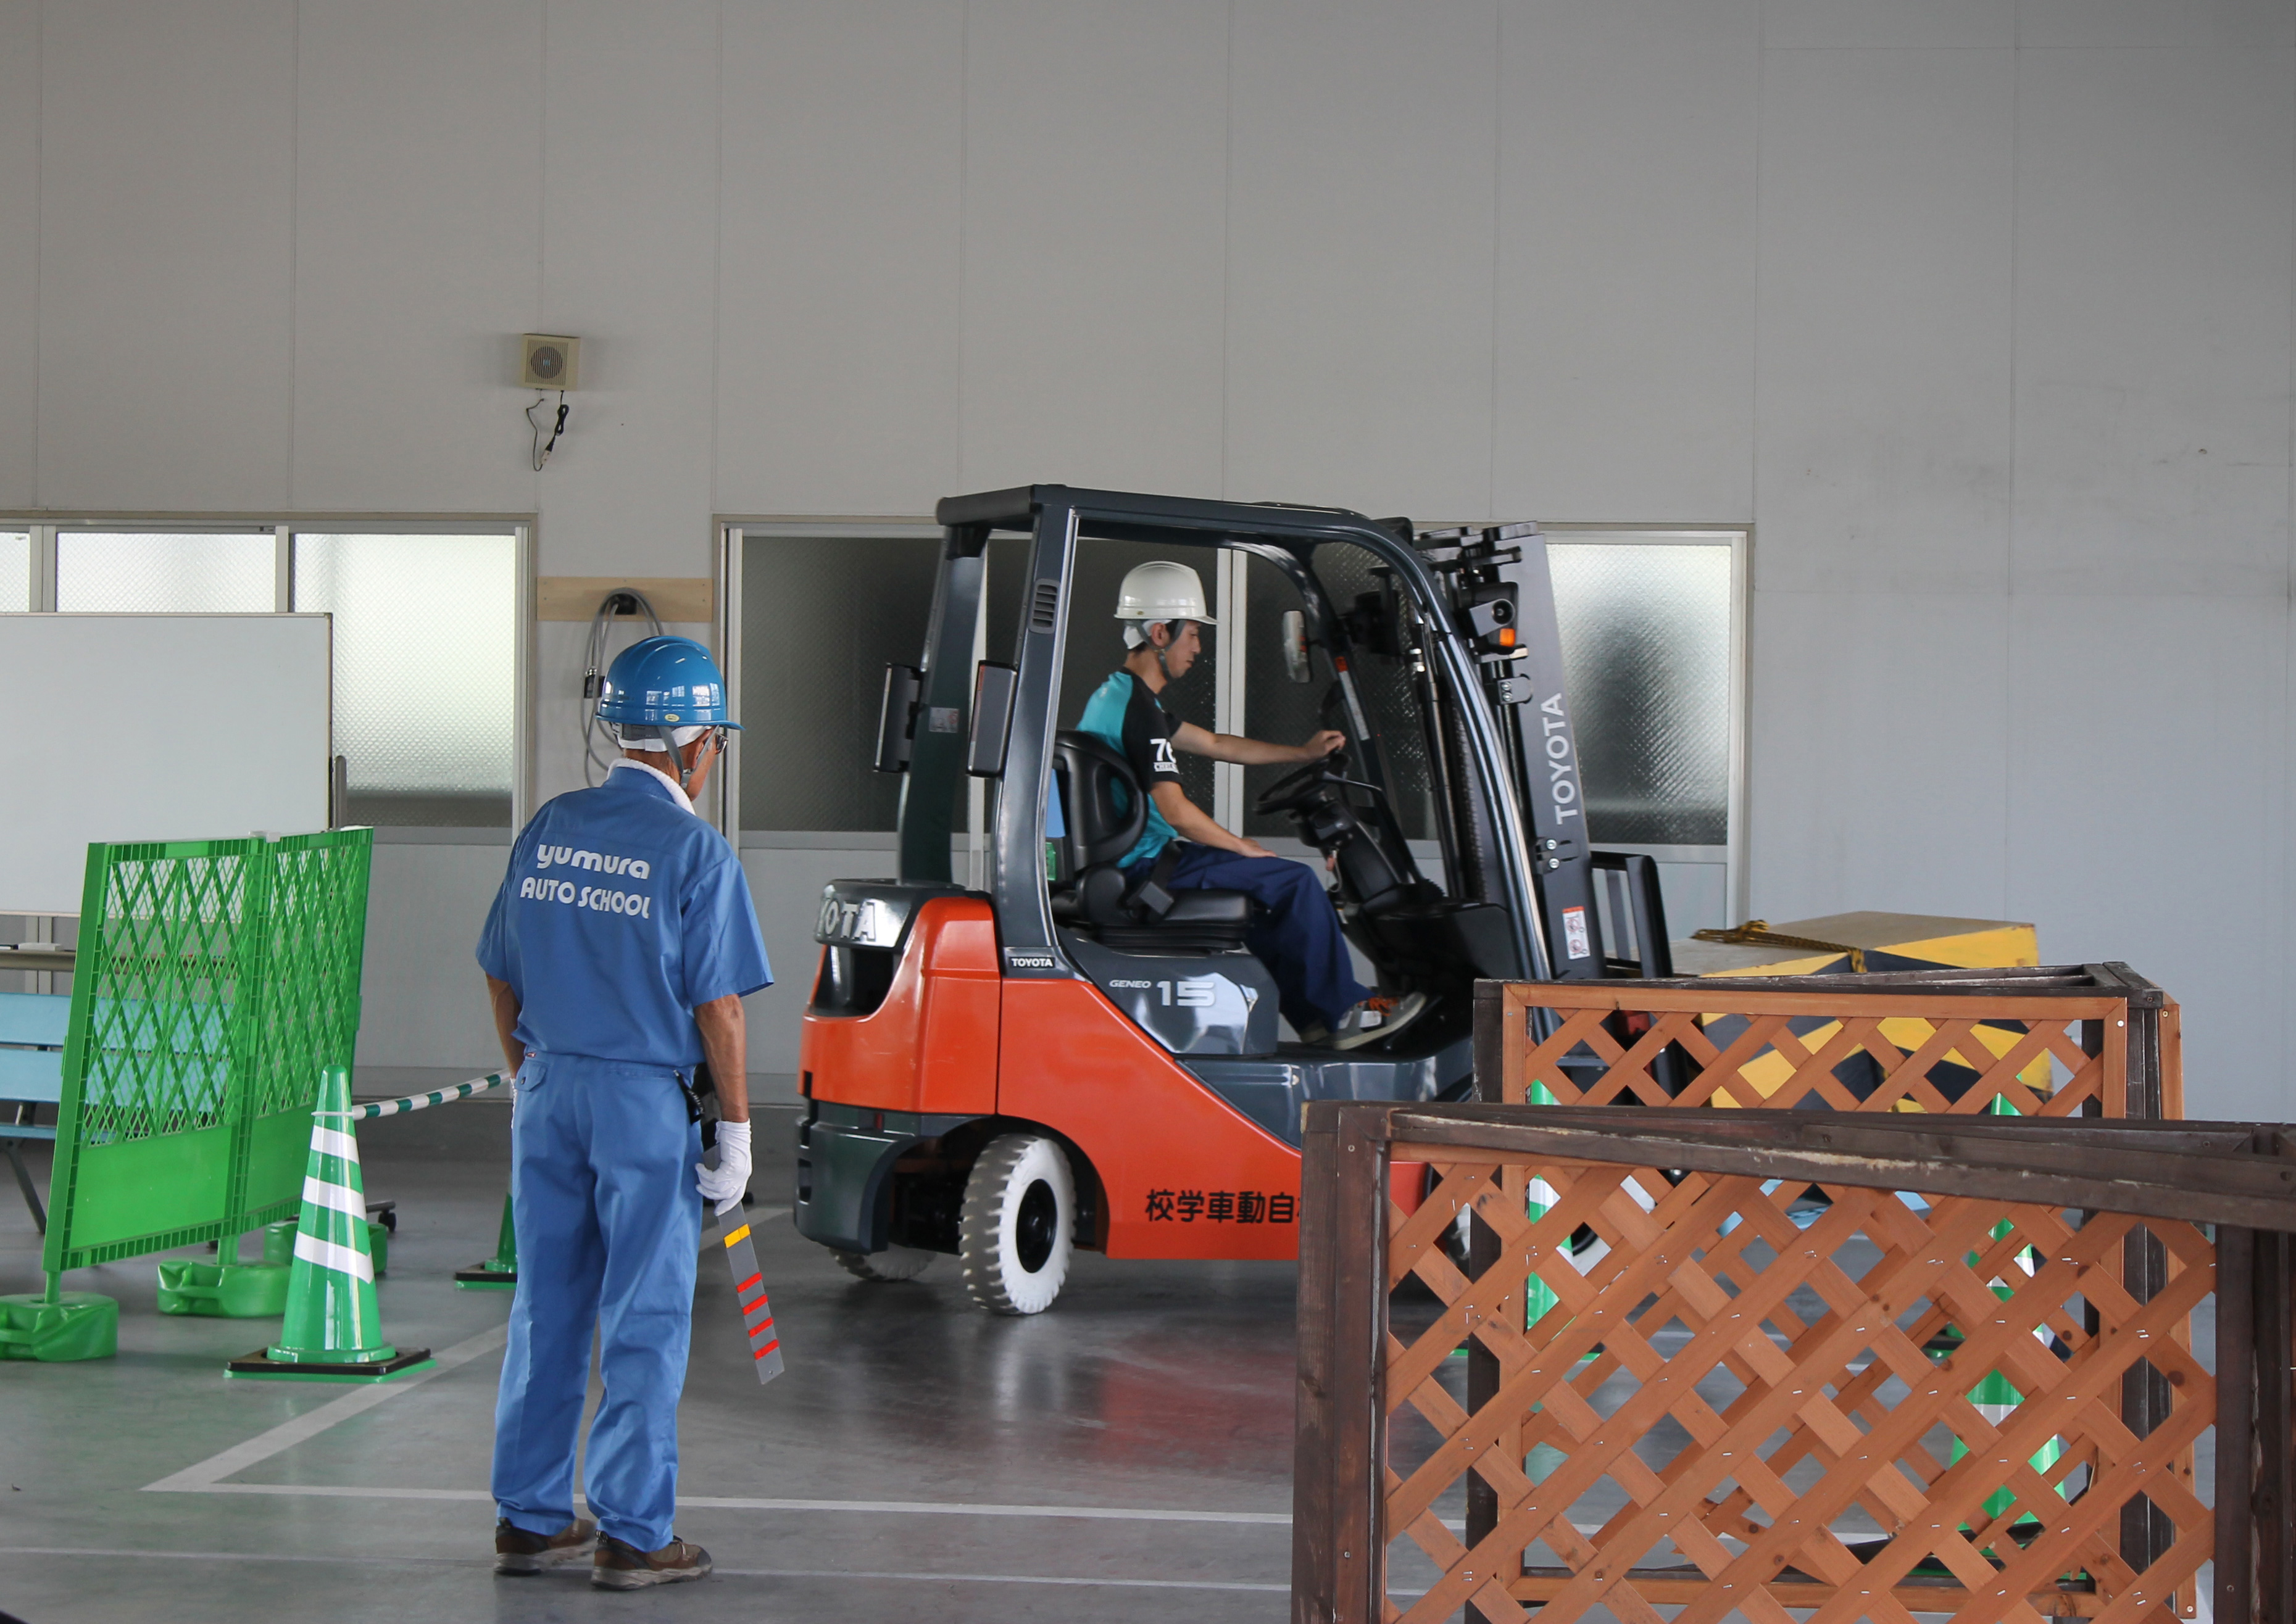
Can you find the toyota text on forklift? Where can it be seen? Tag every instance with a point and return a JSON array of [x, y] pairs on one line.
[[1075, 1056]]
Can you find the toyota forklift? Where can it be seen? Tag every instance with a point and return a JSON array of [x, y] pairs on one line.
[[1073, 1057]]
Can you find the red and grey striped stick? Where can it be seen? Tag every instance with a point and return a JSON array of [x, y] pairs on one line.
[[749, 1292]]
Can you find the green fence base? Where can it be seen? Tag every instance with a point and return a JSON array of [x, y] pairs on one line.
[[76, 1326], [223, 1291], [279, 1242]]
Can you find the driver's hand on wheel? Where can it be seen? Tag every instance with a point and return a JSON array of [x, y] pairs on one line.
[[1323, 744]]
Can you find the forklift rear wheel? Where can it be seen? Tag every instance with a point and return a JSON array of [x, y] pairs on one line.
[[893, 1264], [1019, 1224]]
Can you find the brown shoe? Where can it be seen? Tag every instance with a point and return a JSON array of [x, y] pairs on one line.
[[620, 1565], [516, 1551]]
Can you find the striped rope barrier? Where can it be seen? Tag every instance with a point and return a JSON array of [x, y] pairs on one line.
[[424, 1102]]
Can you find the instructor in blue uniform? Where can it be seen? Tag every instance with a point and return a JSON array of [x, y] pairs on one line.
[[616, 955]]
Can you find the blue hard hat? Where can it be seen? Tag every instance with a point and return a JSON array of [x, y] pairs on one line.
[[664, 681]]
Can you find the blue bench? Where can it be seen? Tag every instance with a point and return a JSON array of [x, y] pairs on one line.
[[32, 1027]]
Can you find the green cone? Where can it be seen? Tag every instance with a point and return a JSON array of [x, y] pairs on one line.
[[500, 1272], [334, 1326]]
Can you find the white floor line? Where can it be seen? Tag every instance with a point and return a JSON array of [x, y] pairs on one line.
[[206, 1477], [715, 1502], [474, 1562], [209, 1473]]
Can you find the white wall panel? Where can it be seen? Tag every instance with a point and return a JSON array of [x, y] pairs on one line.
[[20, 250], [838, 327], [1361, 231], [2240, 23], [2147, 808], [2156, 200], [1885, 447], [1878, 758], [630, 265], [424, 998], [1625, 334], [418, 238], [1095, 198], [1867, 24], [167, 158]]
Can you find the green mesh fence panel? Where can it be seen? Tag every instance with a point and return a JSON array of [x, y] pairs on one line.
[[216, 978]]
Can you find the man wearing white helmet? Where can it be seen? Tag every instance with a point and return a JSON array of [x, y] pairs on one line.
[[1161, 605]]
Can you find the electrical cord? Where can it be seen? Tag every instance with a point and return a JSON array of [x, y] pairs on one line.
[[542, 449], [595, 767]]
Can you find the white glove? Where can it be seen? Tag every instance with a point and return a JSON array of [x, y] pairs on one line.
[[722, 1186]]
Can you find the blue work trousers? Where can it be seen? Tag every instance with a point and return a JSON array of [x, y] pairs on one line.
[[1299, 941], [609, 1226]]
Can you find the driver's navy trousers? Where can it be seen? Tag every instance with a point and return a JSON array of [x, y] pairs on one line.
[[1299, 941]]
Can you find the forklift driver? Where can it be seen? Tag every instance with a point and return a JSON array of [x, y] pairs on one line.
[[1161, 605]]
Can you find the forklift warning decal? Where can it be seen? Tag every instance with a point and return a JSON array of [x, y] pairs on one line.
[[1221, 1207], [1574, 933]]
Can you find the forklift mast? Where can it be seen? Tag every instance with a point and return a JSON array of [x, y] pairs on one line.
[[1503, 598]]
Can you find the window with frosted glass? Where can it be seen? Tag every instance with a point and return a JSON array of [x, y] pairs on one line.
[[1646, 654], [426, 672], [15, 570], [822, 617], [147, 572]]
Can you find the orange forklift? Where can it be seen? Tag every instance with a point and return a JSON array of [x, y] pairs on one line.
[[1070, 1058]]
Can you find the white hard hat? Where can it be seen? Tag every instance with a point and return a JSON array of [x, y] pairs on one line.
[[1162, 591]]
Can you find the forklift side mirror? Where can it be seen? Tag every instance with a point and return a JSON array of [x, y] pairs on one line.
[[992, 718], [1295, 648], [896, 716]]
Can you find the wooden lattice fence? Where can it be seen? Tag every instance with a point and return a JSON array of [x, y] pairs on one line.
[[1767, 1385], [2057, 1040]]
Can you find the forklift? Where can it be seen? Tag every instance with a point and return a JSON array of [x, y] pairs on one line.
[[1070, 1056]]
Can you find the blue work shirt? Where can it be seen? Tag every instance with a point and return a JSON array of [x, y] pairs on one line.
[[620, 913]]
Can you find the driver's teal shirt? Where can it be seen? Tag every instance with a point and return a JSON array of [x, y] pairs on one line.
[[1135, 723]]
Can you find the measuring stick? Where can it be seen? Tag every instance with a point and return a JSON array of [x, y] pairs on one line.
[[749, 1292]]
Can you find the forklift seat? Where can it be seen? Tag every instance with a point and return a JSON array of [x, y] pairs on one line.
[[1103, 814]]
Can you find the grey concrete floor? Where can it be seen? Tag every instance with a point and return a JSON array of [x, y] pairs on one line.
[[1154, 1398]]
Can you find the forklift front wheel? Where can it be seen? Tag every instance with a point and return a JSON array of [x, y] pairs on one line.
[[893, 1264], [1019, 1224]]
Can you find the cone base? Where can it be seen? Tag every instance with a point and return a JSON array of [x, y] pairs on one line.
[[486, 1277], [259, 1367]]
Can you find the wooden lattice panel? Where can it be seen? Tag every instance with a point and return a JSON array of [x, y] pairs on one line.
[[1834, 1045], [1806, 1369]]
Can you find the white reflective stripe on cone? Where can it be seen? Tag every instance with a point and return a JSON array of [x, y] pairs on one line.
[[335, 1142], [327, 1254], [334, 1197]]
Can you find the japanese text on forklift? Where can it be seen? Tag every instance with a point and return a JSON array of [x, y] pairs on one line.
[[1090, 1056], [607, 1009]]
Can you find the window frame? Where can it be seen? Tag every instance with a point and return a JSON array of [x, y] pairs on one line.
[[46, 526], [732, 532], [1740, 540], [1229, 590]]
